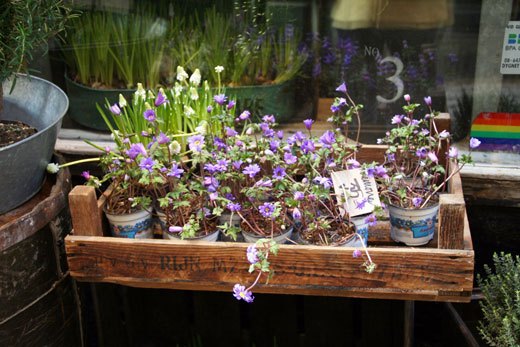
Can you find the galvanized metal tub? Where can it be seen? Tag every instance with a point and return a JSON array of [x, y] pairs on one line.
[[42, 105]]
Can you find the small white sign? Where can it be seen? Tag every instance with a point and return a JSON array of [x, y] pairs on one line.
[[358, 190], [510, 64]]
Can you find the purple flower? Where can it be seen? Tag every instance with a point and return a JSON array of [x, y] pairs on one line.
[[241, 293], [356, 254], [296, 213], [149, 115], [267, 209], [231, 104], [220, 99], [308, 123], [86, 175], [237, 164], [299, 196], [161, 99], [279, 173], [474, 143], [342, 88], [324, 181], [380, 171], [252, 254], [234, 207], [334, 108], [115, 109], [370, 171], [274, 144], [421, 152], [251, 170], [289, 158], [397, 119], [136, 149], [264, 183], [417, 202], [444, 134], [244, 115], [279, 134], [453, 152], [414, 122], [209, 109], [361, 203], [268, 119], [353, 164], [433, 157], [308, 146], [428, 100], [175, 229], [162, 138], [268, 132], [424, 132], [147, 164], [175, 171], [296, 137], [407, 97], [230, 132], [327, 139], [196, 142], [371, 220], [390, 157]]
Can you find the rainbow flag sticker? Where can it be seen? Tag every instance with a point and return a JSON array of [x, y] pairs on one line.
[[497, 131]]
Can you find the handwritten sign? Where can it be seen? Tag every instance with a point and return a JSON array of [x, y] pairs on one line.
[[359, 191]]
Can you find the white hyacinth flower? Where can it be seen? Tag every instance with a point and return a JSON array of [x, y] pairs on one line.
[[219, 69], [175, 147], [188, 111], [194, 95], [122, 101], [202, 128], [182, 75], [177, 89], [140, 92], [53, 168], [195, 78]]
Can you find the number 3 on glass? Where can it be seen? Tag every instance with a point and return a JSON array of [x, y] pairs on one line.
[[394, 79]]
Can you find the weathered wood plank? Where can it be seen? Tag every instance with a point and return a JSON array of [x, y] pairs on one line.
[[85, 211], [452, 211], [312, 270]]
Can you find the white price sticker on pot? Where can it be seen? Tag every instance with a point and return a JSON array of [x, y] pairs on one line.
[[358, 191]]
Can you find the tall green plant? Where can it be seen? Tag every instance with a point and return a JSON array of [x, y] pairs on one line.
[[501, 304], [25, 26]]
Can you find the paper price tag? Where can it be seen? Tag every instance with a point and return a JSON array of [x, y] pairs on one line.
[[358, 190]]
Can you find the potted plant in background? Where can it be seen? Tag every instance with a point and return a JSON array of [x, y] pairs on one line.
[[29, 106], [412, 175], [106, 55]]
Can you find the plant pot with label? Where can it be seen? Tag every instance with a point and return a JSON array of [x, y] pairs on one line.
[[413, 227]]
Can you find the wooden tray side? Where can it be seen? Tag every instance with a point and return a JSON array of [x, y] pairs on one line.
[[402, 273]]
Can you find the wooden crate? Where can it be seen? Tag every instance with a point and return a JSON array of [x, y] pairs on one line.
[[440, 271]]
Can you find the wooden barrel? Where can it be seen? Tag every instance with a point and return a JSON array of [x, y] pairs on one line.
[[38, 305]]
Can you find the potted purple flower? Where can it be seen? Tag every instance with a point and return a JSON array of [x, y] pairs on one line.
[[411, 176]]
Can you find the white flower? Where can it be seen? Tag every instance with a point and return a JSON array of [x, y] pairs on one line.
[[202, 128], [53, 168], [195, 78], [150, 95], [425, 174], [188, 111], [182, 75], [122, 101], [177, 89], [249, 131], [175, 147], [219, 69], [268, 152], [193, 94], [140, 92]]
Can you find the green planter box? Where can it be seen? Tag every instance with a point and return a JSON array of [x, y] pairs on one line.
[[83, 102], [275, 99]]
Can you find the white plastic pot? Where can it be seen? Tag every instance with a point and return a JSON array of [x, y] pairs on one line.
[[136, 225], [413, 227]]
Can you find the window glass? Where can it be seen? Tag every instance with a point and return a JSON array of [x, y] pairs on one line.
[[451, 50]]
